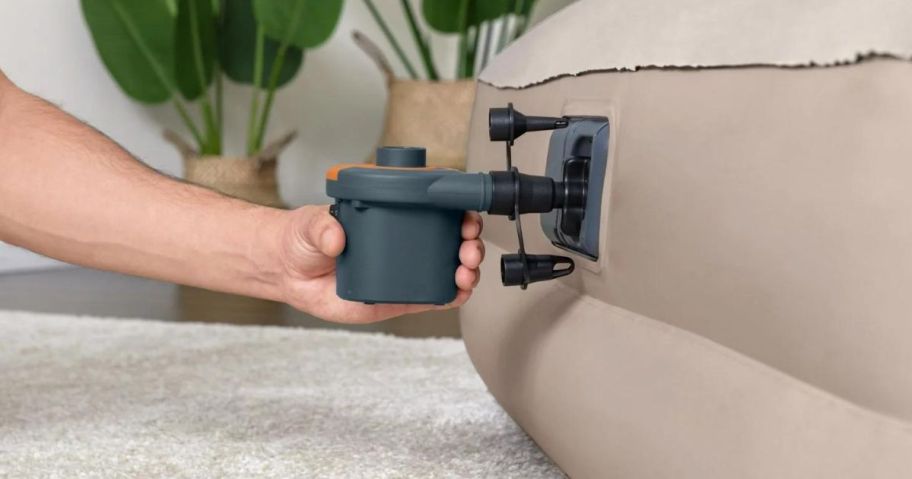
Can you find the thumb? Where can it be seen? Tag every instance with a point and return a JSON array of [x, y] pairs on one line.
[[319, 231]]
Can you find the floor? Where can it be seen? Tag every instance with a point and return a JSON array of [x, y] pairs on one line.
[[88, 292]]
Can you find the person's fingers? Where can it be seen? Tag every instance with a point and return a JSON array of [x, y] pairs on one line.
[[472, 225], [471, 253], [322, 231], [466, 278], [461, 297]]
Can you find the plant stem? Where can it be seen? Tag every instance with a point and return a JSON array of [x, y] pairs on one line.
[[486, 49], [213, 139], [217, 71], [275, 72], [463, 39], [521, 19], [461, 55], [390, 38], [518, 6], [504, 23], [270, 94], [210, 146], [255, 97], [188, 122], [422, 42], [219, 99], [159, 72], [473, 51]]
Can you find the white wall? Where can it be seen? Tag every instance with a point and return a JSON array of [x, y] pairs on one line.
[[336, 102]]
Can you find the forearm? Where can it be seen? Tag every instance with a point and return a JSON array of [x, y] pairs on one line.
[[70, 193]]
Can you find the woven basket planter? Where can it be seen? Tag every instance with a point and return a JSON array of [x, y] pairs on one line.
[[431, 114], [251, 178]]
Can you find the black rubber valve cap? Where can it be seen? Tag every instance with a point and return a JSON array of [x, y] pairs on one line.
[[501, 124], [541, 267]]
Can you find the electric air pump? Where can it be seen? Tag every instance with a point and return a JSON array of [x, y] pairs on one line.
[[402, 219]]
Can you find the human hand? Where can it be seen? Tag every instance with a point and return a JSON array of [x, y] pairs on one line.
[[310, 242]]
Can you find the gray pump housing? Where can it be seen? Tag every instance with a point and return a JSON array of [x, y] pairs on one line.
[[402, 227]]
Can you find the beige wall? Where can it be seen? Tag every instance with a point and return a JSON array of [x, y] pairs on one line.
[[336, 102]]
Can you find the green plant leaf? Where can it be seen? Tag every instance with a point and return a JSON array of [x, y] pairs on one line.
[[196, 47], [301, 23], [238, 47], [135, 40], [445, 15]]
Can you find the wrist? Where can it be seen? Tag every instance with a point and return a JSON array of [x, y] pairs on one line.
[[265, 253]]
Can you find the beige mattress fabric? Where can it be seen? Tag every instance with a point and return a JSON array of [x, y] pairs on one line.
[[749, 314], [609, 393], [599, 35]]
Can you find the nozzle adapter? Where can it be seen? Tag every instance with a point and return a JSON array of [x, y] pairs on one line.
[[540, 267], [507, 124]]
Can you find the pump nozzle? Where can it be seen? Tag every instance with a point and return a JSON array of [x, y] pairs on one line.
[[497, 193]]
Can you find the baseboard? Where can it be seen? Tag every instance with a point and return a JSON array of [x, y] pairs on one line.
[[14, 259]]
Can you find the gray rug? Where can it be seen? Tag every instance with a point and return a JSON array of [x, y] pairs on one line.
[[83, 397]]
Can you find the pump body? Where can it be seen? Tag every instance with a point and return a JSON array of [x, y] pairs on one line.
[[402, 222], [400, 246], [398, 253]]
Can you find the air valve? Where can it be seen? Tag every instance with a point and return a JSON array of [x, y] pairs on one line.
[[520, 269], [402, 219]]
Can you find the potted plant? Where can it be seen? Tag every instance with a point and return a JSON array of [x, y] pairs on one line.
[[180, 50], [442, 101]]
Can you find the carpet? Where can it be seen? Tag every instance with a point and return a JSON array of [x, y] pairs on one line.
[[89, 397]]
